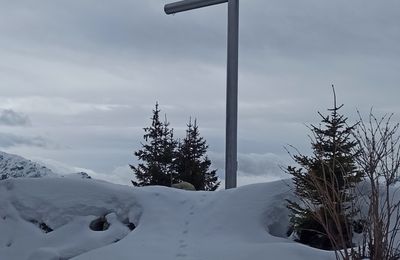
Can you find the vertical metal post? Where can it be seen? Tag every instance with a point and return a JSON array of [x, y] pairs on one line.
[[232, 95], [231, 80]]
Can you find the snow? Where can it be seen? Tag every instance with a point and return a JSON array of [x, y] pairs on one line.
[[249, 222]]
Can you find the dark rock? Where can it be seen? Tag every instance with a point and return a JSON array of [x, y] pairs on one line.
[[99, 224], [43, 226], [131, 226], [83, 175]]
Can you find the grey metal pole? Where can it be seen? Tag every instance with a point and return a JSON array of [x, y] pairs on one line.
[[232, 95], [186, 5], [231, 80]]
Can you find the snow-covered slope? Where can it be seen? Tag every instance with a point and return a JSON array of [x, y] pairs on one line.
[[14, 166], [249, 222]]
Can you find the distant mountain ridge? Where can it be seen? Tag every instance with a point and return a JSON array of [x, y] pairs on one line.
[[15, 166]]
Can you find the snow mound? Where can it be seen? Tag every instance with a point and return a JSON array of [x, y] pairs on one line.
[[67, 207], [14, 166], [51, 218]]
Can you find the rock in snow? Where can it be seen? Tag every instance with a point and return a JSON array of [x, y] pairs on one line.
[[249, 222], [79, 175]]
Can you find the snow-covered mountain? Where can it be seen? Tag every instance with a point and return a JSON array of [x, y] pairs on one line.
[[14, 166]]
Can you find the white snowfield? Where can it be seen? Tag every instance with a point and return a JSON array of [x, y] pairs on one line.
[[246, 223]]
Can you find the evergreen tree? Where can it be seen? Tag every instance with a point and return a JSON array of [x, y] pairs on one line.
[[192, 164], [156, 155], [330, 170]]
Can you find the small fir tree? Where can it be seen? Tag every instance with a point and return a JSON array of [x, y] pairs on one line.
[[157, 154], [192, 164], [330, 170]]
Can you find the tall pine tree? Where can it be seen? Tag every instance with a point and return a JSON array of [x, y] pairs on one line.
[[323, 180], [192, 164], [157, 154]]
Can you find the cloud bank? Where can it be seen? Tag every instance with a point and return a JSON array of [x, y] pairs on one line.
[[9, 117]]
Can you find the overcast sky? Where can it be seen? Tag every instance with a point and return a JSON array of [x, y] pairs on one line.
[[79, 79]]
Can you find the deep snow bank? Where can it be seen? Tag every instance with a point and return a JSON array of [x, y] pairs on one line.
[[68, 207], [244, 223]]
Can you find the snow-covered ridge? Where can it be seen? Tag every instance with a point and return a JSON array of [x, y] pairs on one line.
[[14, 166]]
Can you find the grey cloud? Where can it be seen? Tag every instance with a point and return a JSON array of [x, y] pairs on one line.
[[313, 27], [11, 118], [277, 38], [10, 140], [129, 53], [51, 106], [271, 32], [273, 28], [254, 165], [260, 164]]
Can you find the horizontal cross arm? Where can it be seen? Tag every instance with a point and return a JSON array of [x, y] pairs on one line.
[[186, 5]]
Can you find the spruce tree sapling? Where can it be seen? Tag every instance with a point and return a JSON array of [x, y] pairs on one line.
[[322, 184]]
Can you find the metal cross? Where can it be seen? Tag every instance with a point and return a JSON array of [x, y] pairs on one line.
[[231, 78]]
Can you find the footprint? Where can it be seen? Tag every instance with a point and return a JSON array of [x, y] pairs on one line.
[[185, 231], [183, 246], [191, 213], [181, 255], [186, 223]]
